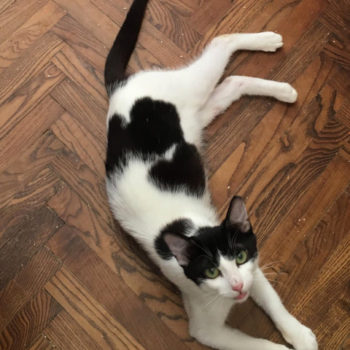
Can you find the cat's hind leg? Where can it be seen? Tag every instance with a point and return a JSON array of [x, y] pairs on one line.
[[198, 80], [233, 87]]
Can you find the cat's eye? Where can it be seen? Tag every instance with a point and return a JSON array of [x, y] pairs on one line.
[[213, 272], [241, 257]]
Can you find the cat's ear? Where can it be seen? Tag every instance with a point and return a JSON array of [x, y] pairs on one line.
[[237, 214], [179, 245]]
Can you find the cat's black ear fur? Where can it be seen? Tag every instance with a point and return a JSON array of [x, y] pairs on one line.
[[179, 245], [237, 214]]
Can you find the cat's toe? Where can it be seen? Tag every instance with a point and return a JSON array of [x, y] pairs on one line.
[[287, 93], [270, 41], [306, 340], [302, 338]]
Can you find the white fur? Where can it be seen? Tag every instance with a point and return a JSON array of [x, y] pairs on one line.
[[143, 209]]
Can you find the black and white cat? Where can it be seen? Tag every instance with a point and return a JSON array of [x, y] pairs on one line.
[[157, 186]]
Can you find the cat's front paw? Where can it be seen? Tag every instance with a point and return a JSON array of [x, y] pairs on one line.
[[301, 337]]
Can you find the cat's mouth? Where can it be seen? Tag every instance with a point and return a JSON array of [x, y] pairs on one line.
[[241, 296]]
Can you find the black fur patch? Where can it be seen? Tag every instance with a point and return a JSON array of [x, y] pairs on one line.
[[180, 227], [208, 243], [124, 45], [154, 127], [184, 170]]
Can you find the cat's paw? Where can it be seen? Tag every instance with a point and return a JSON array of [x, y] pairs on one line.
[[301, 337], [270, 41], [286, 93]]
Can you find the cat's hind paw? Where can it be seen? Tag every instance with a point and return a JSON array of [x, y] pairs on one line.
[[269, 41], [286, 93]]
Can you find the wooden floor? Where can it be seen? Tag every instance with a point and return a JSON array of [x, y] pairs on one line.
[[69, 277]]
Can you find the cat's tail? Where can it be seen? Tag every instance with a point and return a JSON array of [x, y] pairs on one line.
[[124, 45]]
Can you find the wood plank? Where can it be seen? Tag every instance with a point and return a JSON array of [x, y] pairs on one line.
[[6, 4], [15, 14], [22, 134], [331, 277], [174, 22], [89, 185], [29, 66], [96, 321], [336, 17], [64, 331], [29, 181], [338, 50], [313, 42], [26, 326], [27, 97], [303, 218], [32, 30], [77, 214], [120, 301], [87, 46], [82, 74], [333, 329], [79, 140], [84, 108], [43, 343], [42, 266], [31, 190], [24, 231], [343, 115], [339, 80]]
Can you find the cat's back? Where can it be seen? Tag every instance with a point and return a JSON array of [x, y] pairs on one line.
[[154, 175]]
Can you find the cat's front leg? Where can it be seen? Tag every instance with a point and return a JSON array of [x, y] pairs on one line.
[[225, 338], [207, 325], [301, 337]]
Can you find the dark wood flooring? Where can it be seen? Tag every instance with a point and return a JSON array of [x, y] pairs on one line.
[[69, 278]]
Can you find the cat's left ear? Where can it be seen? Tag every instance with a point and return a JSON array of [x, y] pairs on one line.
[[237, 214], [179, 245]]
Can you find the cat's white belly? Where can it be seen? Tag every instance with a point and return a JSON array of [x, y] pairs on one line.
[[143, 209]]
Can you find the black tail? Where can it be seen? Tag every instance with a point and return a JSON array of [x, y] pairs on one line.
[[124, 45]]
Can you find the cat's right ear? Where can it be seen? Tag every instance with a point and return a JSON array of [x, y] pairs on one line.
[[237, 214], [179, 245]]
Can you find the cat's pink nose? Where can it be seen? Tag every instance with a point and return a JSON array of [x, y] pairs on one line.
[[238, 287]]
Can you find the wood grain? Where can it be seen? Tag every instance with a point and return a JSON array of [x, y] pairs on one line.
[[70, 277], [104, 329], [29, 322]]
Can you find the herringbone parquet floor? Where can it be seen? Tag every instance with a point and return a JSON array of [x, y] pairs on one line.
[[69, 277]]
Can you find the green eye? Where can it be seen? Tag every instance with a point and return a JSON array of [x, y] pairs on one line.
[[241, 257], [213, 272]]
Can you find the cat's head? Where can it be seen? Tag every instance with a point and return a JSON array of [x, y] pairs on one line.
[[221, 258]]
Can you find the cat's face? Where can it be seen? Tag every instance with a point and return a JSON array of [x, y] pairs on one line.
[[220, 259]]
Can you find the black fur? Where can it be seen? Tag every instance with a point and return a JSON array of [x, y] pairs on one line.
[[124, 45], [185, 170], [154, 127], [206, 244]]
